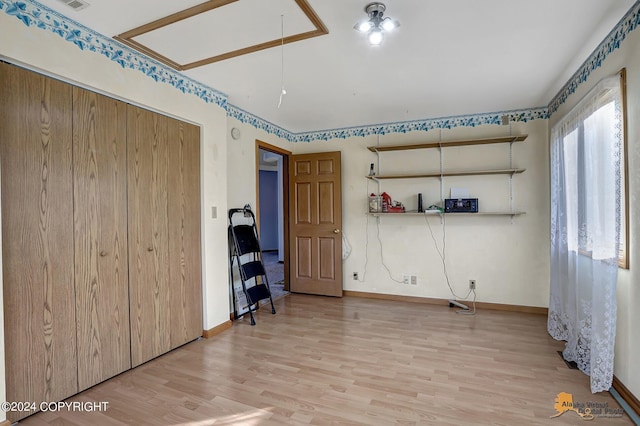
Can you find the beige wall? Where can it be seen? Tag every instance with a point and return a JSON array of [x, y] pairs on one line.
[[626, 365], [241, 160], [241, 170], [509, 258]]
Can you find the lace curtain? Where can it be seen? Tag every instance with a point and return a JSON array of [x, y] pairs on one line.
[[585, 229]]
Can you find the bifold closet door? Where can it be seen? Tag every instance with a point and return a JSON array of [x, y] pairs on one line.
[[184, 233], [37, 238], [149, 294], [100, 222]]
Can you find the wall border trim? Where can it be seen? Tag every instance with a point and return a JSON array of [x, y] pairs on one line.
[[33, 14], [629, 22], [424, 125]]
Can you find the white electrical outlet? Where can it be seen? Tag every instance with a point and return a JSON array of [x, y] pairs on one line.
[[414, 280], [472, 284], [406, 279]]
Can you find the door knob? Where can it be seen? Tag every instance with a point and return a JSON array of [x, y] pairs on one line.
[[149, 248], [336, 231], [103, 253]]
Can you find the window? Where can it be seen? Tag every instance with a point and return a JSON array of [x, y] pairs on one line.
[[590, 140]]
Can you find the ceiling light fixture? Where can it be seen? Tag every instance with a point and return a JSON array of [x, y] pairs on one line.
[[377, 25]]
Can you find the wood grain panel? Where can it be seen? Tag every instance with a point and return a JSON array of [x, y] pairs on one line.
[[326, 167], [302, 168], [37, 243], [318, 190], [327, 261], [148, 234], [185, 285], [100, 233], [326, 208], [303, 256], [303, 199]]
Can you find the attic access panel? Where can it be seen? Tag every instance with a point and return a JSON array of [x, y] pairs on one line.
[[220, 29]]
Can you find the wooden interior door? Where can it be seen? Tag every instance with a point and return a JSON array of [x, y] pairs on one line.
[[316, 224], [100, 231], [147, 160], [37, 238], [185, 270]]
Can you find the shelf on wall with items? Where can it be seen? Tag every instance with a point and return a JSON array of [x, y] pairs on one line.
[[450, 173], [510, 171], [437, 212], [448, 144]]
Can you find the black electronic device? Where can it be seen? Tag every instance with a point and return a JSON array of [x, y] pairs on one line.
[[461, 205]]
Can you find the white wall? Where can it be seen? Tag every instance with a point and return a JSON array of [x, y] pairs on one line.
[[47, 51], [626, 366]]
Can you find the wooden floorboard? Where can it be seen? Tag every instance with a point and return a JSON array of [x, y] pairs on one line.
[[352, 361]]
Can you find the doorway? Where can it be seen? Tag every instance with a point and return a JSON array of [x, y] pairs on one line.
[[311, 219], [272, 200]]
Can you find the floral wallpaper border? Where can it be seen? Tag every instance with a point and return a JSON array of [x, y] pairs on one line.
[[612, 41], [33, 14], [523, 116]]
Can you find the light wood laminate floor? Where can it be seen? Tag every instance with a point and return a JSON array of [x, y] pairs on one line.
[[323, 361]]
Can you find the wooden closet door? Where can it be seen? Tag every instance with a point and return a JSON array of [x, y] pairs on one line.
[[100, 218], [37, 238], [148, 234], [185, 285]]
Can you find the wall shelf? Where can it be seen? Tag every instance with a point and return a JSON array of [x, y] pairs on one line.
[[450, 173], [441, 174], [435, 212], [467, 142]]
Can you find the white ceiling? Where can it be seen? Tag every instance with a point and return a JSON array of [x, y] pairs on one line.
[[449, 57]]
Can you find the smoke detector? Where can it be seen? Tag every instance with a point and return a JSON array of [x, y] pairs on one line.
[[76, 4]]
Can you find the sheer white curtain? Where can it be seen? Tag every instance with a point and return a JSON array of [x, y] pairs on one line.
[[585, 228]]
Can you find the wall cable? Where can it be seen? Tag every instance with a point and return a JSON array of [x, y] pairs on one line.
[[382, 255], [282, 89], [442, 253], [366, 233], [378, 226]]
